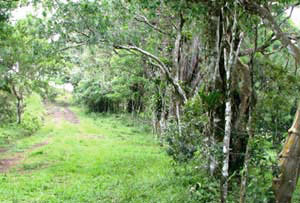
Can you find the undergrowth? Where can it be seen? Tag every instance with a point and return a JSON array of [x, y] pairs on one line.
[[104, 158], [31, 121]]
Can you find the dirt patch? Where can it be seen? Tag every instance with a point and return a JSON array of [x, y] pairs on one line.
[[38, 145], [3, 150], [94, 136], [7, 163], [61, 112]]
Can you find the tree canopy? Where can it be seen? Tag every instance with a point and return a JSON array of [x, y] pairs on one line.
[[217, 79]]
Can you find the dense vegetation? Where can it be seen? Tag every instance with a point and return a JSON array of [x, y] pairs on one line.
[[81, 163], [216, 80]]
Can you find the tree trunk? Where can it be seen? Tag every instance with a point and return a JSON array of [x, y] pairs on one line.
[[283, 185], [230, 63], [212, 160], [289, 162], [244, 178], [178, 119], [19, 111], [243, 188], [216, 84], [226, 149], [19, 105]]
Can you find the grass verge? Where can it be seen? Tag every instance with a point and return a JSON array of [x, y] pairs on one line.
[[101, 159]]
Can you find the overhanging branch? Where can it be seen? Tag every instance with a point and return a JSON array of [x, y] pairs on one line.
[[163, 68], [261, 48], [265, 14], [144, 20]]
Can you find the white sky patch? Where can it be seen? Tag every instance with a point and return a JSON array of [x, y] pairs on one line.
[[67, 86], [295, 16], [22, 12]]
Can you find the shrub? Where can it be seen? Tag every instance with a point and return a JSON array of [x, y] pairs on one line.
[[48, 92], [7, 108], [182, 147], [33, 114], [97, 96], [31, 122]]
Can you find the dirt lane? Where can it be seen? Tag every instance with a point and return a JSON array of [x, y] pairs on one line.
[[59, 113]]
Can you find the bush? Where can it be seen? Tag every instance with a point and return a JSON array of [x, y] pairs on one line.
[[51, 93], [97, 96], [182, 147], [31, 122], [48, 92], [7, 108], [206, 190], [33, 114]]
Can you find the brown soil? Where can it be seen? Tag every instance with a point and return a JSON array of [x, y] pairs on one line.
[[2, 150], [61, 112], [35, 146], [6, 164]]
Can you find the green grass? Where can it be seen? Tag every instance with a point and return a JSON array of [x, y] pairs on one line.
[[31, 119], [105, 158], [34, 104]]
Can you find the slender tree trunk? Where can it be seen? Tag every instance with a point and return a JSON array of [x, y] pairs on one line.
[[212, 161], [243, 188], [19, 105], [289, 158], [289, 161], [178, 117], [248, 91], [19, 110], [215, 46], [226, 148], [155, 124], [162, 121], [230, 63]]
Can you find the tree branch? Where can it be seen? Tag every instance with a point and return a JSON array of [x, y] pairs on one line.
[[71, 47], [144, 20], [262, 48], [266, 15], [161, 66]]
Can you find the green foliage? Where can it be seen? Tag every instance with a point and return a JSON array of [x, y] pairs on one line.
[[182, 147], [85, 157], [112, 84], [210, 99], [263, 167], [7, 107], [5, 8], [33, 114], [10, 132], [27, 60], [33, 121], [48, 92], [95, 95], [274, 111], [206, 190], [126, 81]]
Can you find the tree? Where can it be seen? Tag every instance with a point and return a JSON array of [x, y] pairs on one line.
[[217, 45], [27, 59]]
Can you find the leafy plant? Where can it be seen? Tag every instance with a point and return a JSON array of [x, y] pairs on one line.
[[33, 114]]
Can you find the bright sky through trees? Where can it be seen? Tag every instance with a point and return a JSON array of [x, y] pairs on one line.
[[22, 12]]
